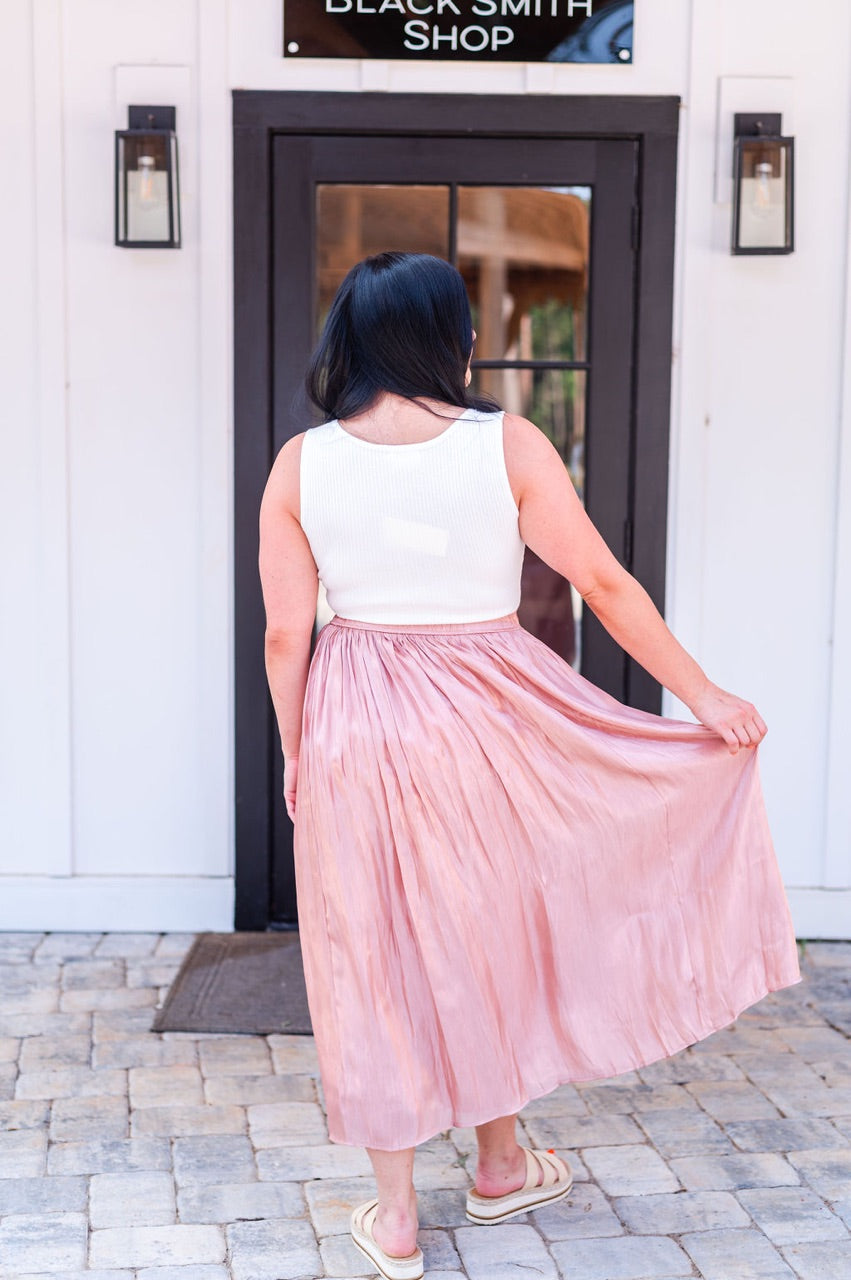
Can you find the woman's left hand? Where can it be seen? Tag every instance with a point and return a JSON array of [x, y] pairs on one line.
[[736, 721], [290, 783]]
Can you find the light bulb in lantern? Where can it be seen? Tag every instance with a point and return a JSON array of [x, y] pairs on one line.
[[761, 204], [146, 192]]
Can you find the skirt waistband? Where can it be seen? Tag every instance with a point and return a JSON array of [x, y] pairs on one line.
[[507, 623]]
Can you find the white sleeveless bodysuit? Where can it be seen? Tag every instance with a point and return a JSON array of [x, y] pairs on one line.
[[413, 533]]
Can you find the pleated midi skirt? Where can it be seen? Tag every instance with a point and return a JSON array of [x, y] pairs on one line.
[[508, 880]]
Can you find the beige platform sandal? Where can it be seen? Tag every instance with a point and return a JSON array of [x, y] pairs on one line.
[[387, 1265], [556, 1181]]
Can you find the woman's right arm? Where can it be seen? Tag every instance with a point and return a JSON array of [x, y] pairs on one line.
[[555, 525], [290, 586]]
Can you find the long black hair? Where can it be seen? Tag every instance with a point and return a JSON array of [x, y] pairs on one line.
[[399, 322]]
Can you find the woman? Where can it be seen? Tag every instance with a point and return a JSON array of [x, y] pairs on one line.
[[506, 878]]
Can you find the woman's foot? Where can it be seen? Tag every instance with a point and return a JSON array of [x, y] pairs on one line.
[[547, 1179], [395, 1229]]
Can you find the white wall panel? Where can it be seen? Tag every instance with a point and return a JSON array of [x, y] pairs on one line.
[[774, 437], [837, 869], [756, 423], [141, 790]]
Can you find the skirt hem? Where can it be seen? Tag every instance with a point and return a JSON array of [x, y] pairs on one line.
[[461, 1122]]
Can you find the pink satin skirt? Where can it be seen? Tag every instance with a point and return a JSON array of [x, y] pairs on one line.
[[508, 880]]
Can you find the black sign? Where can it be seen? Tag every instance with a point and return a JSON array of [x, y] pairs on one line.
[[461, 30]]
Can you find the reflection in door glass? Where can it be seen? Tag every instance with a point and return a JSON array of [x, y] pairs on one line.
[[523, 253], [354, 221], [554, 399]]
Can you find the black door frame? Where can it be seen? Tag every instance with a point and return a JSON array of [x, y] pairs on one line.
[[258, 115]]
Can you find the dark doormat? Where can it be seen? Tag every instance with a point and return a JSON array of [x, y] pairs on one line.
[[239, 982]]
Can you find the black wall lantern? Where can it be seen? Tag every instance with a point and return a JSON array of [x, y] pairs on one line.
[[147, 188], [763, 185]]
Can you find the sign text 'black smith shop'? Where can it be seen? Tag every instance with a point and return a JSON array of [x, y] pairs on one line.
[[455, 30]]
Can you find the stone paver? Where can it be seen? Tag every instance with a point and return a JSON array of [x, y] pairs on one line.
[[175, 1245], [299, 1164], [37, 1052], [625, 1171], [207, 1159], [39, 1242], [586, 1212], [272, 1250], [187, 1120], [827, 1171], [736, 1255], [681, 1211], [683, 1132], [505, 1252], [788, 1215], [727, 1173], [731, 1100], [249, 1091], [110, 1156], [131, 1155], [132, 1199], [331, 1200], [640, 1097], [820, 1261], [43, 1195], [241, 1201], [70, 1082], [22, 1153], [690, 1065], [80, 1119], [201, 1272], [150, 1051], [168, 1086], [623, 1258], [78, 1275], [583, 1131], [785, 1135], [243, 1056], [286, 1124]]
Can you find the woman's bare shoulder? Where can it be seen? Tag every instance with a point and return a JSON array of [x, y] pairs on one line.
[[282, 487], [527, 449]]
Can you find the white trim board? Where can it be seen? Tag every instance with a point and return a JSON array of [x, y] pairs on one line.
[[837, 854], [821, 913], [54, 849], [190, 904], [126, 904]]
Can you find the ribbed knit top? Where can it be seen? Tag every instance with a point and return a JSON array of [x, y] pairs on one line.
[[413, 533]]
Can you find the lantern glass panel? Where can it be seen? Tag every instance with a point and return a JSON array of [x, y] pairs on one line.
[[764, 203], [174, 179], [145, 164]]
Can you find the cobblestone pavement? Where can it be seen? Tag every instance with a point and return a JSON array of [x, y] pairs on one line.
[[127, 1155]]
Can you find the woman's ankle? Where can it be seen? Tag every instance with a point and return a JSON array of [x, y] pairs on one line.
[[396, 1226], [497, 1173]]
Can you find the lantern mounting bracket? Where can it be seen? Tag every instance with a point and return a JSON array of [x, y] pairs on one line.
[[152, 118], [750, 124]]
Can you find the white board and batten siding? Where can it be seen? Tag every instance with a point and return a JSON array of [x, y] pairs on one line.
[[117, 664]]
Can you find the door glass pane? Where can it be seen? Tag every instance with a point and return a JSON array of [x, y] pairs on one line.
[[554, 399], [355, 220], [523, 253]]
